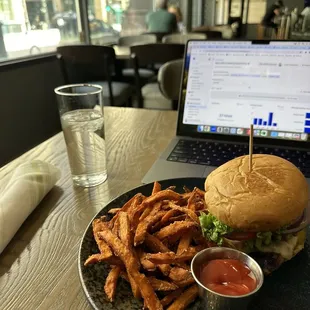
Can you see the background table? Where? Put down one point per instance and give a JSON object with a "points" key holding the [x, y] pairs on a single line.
{"points": [[38, 269]]}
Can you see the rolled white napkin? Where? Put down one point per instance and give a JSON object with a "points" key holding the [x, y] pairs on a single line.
{"points": [[28, 185]]}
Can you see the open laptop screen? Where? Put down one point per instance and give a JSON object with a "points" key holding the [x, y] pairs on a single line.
{"points": [[228, 85]]}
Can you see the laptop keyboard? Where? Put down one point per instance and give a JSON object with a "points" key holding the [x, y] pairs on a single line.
{"points": [[215, 154]]}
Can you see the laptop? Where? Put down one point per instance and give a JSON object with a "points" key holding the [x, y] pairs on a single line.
{"points": [[229, 85]]}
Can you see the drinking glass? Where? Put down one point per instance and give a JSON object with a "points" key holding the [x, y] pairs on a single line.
{"points": [[81, 113]]}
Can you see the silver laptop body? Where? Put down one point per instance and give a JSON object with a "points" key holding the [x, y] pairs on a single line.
{"points": [[229, 85]]}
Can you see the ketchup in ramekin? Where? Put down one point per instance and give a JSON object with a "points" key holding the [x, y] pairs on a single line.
{"points": [[228, 277]]}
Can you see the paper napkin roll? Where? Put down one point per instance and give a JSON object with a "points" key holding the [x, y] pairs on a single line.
{"points": [[28, 185]]}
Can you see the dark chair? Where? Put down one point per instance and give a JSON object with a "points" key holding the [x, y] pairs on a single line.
{"points": [[96, 65], [129, 73], [211, 34], [149, 55], [169, 79]]}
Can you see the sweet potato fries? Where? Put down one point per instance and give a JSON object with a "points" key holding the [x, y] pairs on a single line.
{"points": [[150, 243]]}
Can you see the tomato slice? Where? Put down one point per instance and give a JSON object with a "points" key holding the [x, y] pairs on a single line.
{"points": [[241, 236]]}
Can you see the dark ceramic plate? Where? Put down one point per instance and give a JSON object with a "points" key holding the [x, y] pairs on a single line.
{"points": [[286, 289]]}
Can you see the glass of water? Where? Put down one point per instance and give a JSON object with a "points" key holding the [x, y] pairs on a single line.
{"points": [[81, 113]]}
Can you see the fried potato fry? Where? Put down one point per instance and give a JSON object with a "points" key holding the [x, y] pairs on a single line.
{"points": [[172, 188], [185, 299], [125, 208], [97, 258], [125, 235], [159, 196], [165, 269], [147, 264], [178, 218], [181, 277], [160, 285], [145, 213], [154, 244], [170, 257], [175, 228], [186, 189], [134, 213], [156, 188], [200, 192], [167, 300], [103, 247], [144, 226], [114, 211], [162, 195], [134, 286], [111, 282], [184, 243], [186, 196], [183, 265], [93, 259], [188, 212], [116, 226], [124, 229], [168, 215], [147, 292], [150, 242], [196, 200]]}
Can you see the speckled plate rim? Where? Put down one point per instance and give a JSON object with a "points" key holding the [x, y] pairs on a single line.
{"points": [[89, 298]]}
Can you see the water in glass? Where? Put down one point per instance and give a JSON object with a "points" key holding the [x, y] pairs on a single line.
{"points": [[84, 135]]}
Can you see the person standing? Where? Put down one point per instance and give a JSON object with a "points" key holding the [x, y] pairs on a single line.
{"points": [[161, 20], [179, 16], [273, 11]]}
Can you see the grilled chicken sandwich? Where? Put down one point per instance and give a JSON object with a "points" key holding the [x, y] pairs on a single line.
{"points": [[262, 212]]}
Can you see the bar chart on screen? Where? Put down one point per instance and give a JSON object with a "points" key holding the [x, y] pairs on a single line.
{"points": [[307, 123], [268, 122]]}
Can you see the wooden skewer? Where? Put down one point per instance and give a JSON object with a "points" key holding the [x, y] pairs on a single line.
{"points": [[251, 147]]}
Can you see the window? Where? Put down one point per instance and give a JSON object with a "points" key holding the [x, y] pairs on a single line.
{"points": [[5, 9], [256, 10], [30, 27], [118, 18]]}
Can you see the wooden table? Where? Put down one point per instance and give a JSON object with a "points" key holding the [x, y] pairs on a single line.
{"points": [[38, 269]]}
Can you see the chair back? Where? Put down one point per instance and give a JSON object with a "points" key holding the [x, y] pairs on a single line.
{"points": [[213, 34], [149, 55], [209, 32], [169, 79], [137, 40], [183, 38], [84, 63], [159, 53]]}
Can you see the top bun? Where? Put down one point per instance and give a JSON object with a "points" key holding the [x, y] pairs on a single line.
{"points": [[274, 194]]}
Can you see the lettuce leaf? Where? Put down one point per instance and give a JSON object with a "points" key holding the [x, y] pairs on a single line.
{"points": [[213, 229]]}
